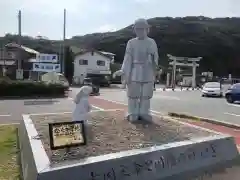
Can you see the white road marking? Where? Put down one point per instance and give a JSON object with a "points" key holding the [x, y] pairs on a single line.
{"points": [[98, 108], [166, 97], [232, 114], [156, 112], [108, 110], [47, 113], [5, 115], [235, 105]]}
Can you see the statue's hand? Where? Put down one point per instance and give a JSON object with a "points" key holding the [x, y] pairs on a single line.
{"points": [[151, 59], [118, 73]]}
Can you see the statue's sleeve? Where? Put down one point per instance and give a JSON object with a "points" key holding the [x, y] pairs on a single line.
{"points": [[155, 51], [127, 62]]}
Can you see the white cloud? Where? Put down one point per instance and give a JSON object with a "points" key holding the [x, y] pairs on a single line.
{"points": [[52, 6], [143, 1], [106, 28], [104, 8]]}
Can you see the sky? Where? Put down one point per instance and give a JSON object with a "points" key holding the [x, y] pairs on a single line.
{"points": [[45, 17]]}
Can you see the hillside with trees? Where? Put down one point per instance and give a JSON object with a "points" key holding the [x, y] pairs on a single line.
{"points": [[216, 40]]}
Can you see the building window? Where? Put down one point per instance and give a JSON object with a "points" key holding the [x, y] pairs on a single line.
{"points": [[83, 62], [100, 63], [10, 55]]}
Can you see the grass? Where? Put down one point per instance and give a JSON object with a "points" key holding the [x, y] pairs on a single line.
{"points": [[184, 116], [9, 169]]}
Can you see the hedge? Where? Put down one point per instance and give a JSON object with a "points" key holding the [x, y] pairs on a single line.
{"points": [[29, 89]]}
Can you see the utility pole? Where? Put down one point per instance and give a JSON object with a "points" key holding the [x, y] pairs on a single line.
{"points": [[19, 38], [2, 58], [19, 71], [64, 39]]}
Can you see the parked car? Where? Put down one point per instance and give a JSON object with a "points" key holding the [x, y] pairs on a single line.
{"points": [[212, 89], [55, 78], [233, 93], [95, 88], [100, 79]]}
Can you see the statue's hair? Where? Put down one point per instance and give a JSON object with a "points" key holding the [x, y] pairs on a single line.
{"points": [[141, 22], [83, 92]]}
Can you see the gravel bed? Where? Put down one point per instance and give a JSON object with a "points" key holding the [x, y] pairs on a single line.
{"points": [[109, 132]]}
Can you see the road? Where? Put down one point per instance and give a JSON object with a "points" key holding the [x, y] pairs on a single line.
{"points": [[11, 110], [188, 102]]}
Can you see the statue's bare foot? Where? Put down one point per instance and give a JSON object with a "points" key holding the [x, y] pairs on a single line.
{"points": [[132, 118], [146, 117]]}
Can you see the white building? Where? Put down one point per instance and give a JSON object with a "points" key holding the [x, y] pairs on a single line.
{"points": [[94, 64]]}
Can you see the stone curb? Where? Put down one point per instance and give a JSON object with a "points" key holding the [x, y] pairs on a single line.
{"points": [[197, 118], [181, 89], [119, 86], [166, 89]]}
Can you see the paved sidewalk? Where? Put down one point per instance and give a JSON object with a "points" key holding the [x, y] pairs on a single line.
{"points": [[106, 104]]}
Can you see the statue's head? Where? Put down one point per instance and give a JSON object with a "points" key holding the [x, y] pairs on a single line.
{"points": [[141, 28], [83, 93]]}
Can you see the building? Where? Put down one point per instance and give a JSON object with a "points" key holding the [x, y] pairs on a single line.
{"points": [[110, 55], [93, 64], [9, 56]]}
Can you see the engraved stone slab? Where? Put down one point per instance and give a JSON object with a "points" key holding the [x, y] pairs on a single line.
{"points": [[205, 158]]}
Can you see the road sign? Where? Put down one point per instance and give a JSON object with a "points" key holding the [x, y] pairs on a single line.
{"points": [[67, 134], [46, 67], [53, 58], [19, 74]]}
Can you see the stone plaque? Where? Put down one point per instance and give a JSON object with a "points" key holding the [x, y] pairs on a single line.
{"points": [[66, 134]]}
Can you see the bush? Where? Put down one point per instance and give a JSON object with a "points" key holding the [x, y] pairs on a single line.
{"points": [[29, 89], [4, 79]]}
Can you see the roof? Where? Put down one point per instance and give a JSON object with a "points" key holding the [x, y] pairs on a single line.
{"points": [[107, 53], [27, 49], [32, 60], [88, 51]]}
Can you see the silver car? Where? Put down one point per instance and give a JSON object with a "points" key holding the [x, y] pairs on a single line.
{"points": [[212, 89]]}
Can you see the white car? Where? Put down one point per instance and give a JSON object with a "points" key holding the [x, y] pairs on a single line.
{"points": [[212, 89]]}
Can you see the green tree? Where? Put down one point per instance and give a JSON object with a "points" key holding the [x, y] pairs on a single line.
{"points": [[69, 66], [216, 40]]}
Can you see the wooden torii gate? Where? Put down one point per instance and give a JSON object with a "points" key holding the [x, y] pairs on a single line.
{"points": [[184, 61]]}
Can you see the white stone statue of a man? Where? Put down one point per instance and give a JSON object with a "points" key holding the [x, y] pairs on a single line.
{"points": [[138, 71]]}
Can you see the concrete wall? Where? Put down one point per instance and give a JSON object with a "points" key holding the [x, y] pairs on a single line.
{"points": [[27, 160], [33, 156], [210, 158], [186, 160]]}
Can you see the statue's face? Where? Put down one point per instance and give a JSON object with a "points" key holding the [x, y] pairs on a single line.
{"points": [[141, 28], [141, 32]]}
